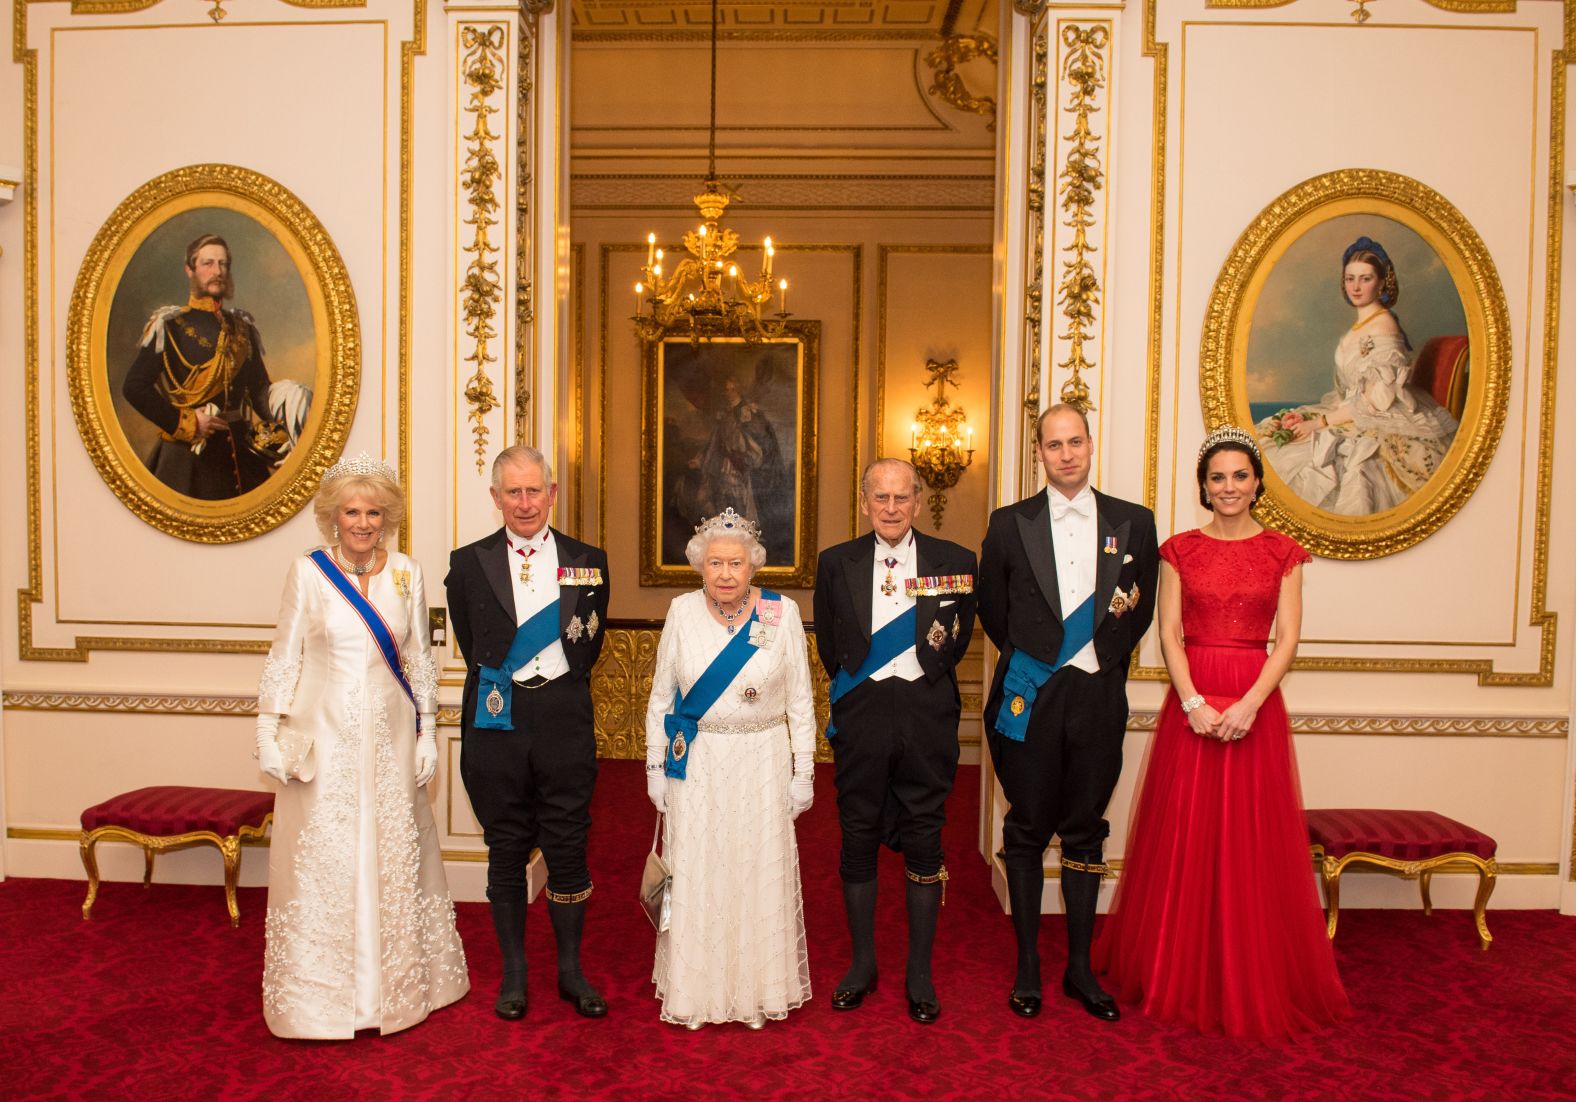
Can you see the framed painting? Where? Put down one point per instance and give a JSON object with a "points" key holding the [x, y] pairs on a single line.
{"points": [[730, 423], [213, 353], [1359, 329]]}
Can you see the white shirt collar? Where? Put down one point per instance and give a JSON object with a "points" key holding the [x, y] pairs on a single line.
{"points": [[901, 552], [1082, 502], [532, 545]]}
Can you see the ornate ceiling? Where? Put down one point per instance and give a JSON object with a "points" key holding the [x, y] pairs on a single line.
{"points": [[804, 20]]}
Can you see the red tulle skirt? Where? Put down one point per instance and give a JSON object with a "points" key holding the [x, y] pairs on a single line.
{"points": [[1216, 921]]}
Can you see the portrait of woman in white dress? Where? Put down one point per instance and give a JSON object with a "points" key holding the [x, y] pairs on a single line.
{"points": [[1376, 438], [360, 928], [730, 743]]}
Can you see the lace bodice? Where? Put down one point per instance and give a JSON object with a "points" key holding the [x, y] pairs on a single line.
{"points": [[1231, 588], [772, 688]]}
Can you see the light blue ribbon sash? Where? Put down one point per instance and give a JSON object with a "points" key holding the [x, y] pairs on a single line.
{"points": [[1026, 674], [495, 685], [382, 637], [895, 637], [682, 724]]}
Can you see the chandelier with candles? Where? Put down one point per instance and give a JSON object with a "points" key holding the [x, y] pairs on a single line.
{"points": [[708, 293]]}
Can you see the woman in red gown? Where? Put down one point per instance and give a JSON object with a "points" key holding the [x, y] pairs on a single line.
{"points": [[1216, 921]]}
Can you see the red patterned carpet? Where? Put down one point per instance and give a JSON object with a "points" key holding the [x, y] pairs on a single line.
{"points": [[157, 998]]}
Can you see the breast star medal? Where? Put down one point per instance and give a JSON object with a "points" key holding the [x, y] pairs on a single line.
{"points": [[889, 586], [495, 702], [936, 636], [575, 630], [591, 627]]}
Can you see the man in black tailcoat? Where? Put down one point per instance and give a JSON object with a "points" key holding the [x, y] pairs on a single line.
{"points": [[1067, 590], [895, 728], [530, 784]]}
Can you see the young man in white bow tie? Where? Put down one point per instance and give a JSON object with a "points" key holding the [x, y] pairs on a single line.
{"points": [[1066, 591]]}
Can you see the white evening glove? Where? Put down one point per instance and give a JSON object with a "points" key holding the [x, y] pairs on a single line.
{"points": [[657, 788], [427, 749], [801, 790], [269, 759]]}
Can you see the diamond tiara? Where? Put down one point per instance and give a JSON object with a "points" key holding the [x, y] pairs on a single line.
{"points": [[361, 466], [728, 523], [1231, 434]]}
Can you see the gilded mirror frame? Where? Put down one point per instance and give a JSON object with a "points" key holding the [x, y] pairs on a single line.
{"points": [[1223, 382], [334, 338]]}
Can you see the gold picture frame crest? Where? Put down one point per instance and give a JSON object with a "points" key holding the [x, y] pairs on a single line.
{"points": [[335, 330], [1229, 316], [657, 569]]}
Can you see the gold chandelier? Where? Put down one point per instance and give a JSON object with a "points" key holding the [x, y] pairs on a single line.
{"points": [[707, 294]]}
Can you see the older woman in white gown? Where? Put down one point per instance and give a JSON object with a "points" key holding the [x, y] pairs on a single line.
{"points": [[360, 928], [1374, 440], [730, 740]]}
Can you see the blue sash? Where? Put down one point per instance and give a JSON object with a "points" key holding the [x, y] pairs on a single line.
{"points": [[381, 635], [682, 724], [895, 637], [1026, 674], [495, 686]]}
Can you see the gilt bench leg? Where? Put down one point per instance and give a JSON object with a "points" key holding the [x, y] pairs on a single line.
{"points": [[89, 862]]}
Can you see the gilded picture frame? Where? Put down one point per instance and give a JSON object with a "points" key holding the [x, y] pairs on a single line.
{"points": [[729, 423], [1409, 412], [294, 304]]}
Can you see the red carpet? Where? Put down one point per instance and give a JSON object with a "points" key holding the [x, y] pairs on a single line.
{"points": [[157, 998]]}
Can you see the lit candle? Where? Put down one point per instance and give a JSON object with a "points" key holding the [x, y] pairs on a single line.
{"points": [[659, 256], [638, 289], [913, 435], [766, 268], [703, 231], [733, 273], [651, 247], [971, 438], [782, 292]]}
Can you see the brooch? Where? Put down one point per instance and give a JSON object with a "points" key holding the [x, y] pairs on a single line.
{"points": [[750, 693], [937, 635], [495, 702], [575, 630], [402, 582]]}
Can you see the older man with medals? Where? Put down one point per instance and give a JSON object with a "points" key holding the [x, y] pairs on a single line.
{"points": [[528, 606], [893, 614], [1067, 590]]}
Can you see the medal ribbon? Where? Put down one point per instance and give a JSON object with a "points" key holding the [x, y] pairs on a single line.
{"points": [[495, 685], [895, 637], [1026, 673]]}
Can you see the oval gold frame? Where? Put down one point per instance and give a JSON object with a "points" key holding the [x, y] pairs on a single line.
{"points": [[1224, 348], [335, 325]]}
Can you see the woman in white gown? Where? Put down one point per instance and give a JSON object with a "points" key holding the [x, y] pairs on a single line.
{"points": [[731, 775], [1374, 440], [360, 929]]}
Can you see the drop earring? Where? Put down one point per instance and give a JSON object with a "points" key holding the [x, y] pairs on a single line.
{"points": [[336, 533]]}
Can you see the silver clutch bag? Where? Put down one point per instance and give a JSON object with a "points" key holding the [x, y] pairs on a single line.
{"points": [[656, 885]]}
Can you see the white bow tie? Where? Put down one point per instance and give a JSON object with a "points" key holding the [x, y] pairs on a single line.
{"points": [[1061, 506]]}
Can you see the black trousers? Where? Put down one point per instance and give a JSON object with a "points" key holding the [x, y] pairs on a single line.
{"points": [[896, 752], [532, 786], [1059, 779]]}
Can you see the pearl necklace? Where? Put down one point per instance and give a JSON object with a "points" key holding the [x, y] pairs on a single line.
{"points": [[355, 569], [729, 617]]}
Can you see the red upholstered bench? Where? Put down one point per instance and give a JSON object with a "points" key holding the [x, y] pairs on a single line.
{"points": [[168, 817], [1412, 843]]}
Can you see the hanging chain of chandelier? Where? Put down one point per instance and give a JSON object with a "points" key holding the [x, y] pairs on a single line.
{"points": [[708, 293]]}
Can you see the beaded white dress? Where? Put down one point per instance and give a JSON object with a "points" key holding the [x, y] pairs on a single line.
{"points": [[735, 949], [360, 928]]}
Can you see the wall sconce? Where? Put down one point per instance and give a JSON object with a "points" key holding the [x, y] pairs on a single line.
{"points": [[940, 441]]}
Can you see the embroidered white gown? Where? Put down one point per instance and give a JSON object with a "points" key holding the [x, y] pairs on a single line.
{"points": [[1395, 442], [735, 948], [360, 927]]}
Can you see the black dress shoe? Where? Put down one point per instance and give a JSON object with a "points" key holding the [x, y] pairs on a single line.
{"points": [[924, 1011], [1025, 1006], [1103, 1007], [588, 1004], [850, 998], [510, 1005]]}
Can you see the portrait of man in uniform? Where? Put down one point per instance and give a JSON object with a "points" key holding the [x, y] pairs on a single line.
{"points": [[199, 378]]}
